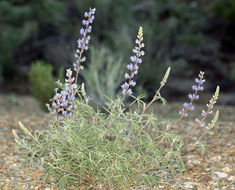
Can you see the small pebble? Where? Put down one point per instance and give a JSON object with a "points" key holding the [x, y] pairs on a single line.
{"points": [[221, 174]]}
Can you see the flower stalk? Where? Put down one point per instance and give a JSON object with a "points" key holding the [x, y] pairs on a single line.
{"points": [[84, 41], [133, 66]]}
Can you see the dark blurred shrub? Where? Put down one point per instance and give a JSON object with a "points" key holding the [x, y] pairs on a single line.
{"points": [[27, 27], [25, 23], [225, 9], [43, 82], [232, 71]]}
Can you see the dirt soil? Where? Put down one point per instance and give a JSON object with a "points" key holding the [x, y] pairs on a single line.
{"points": [[215, 170]]}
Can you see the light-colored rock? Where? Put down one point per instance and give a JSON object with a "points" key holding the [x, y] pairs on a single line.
{"points": [[188, 185], [231, 178], [216, 158], [221, 174], [227, 169]]}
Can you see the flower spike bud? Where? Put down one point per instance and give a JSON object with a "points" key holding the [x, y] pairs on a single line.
{"points": [[83, 90], [209, 110], [164, 80], [16, 137], [213, 121], [69, 73], [26, 131], [216, 95], [214, 98], [15, 134], [140, 34]]}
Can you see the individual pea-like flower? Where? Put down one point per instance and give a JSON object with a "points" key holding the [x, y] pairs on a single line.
{"points": [[196, 88], [128, 134], [82, 44], [133, 66], [62, 102]]}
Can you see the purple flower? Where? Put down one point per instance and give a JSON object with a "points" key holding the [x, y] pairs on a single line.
{"points": [[124, 91], [85, 22], [130, 66], [74, 86], [185, 105], [139, 60], [82, 31], [136, 67], [127, 132], [135, 72], [194, 87], [72, 97], [125, 85], [132, 83], [126, 76], [129, 91], [190, 96], [133, 58], [70, 107], [86, 14]]}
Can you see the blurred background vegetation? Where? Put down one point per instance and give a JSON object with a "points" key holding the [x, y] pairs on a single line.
{"points": [[188, 35]]}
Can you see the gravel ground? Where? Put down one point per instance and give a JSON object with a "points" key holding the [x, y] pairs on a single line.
{"points": [[215, 170]]}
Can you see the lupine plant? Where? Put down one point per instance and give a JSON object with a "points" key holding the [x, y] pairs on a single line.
{"points": [[119, 149]]}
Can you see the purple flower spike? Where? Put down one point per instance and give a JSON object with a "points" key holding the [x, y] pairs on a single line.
{"points": [[62, 103], [133, 66], [84, 41], [194, 96]]}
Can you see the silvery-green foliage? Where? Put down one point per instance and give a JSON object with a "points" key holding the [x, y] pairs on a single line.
{"points": [[103, 75], [92, 147]]}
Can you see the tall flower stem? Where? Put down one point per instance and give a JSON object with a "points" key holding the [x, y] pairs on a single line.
{"points": [[205, 113], [189, 106], [84, 41], [133, 66]]}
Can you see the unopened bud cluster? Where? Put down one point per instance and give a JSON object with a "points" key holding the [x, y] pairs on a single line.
{"points": [[209, 111]]}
